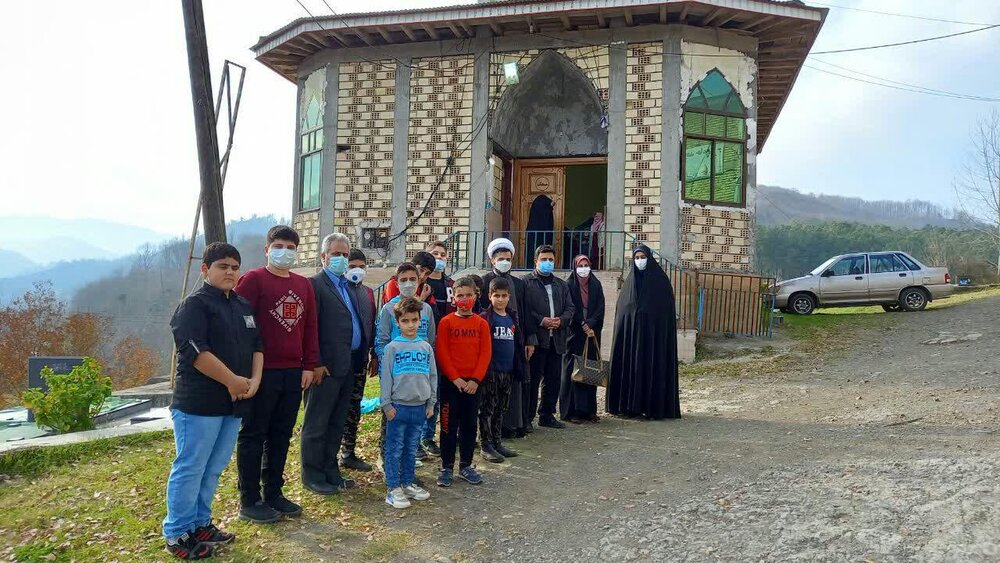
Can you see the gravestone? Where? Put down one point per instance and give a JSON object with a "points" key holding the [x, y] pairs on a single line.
{"points": [[60, 365]]}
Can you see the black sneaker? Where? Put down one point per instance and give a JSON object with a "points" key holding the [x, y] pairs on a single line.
{"points": [[213, 535], [422, 454], [260, 513], [430, 448], [504, 450], [285, 507], [188, 548], [529, 428], [444, 478], [490, 454], [550, 422], [352, 461]]}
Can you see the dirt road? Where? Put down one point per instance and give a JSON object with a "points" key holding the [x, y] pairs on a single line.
{"points": [[886, 452]]}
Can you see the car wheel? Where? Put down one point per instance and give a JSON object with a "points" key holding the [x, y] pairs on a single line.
{"points": [[802, 304], [892, 308], [913, 299]]}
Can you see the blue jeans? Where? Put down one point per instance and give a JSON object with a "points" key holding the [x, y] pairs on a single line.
{"points": [[204, 447], [402, 435]]}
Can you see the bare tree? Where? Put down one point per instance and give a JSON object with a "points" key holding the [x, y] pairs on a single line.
{"points": [[978, 186]]}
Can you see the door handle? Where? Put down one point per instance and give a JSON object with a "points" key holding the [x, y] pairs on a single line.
{"points": [[859, 277], [902, 275]]}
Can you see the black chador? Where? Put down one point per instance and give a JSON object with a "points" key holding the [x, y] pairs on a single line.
{"points": [[643, 381]]}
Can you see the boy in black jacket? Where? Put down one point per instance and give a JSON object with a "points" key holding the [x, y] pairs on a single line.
{"points": [[508, 364]]}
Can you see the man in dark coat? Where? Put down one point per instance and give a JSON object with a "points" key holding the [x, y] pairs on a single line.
{"points": [[643, 381], [341, 345], [549, 310]]}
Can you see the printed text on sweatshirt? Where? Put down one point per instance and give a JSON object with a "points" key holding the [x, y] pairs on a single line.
{"points": [[464, 345], [408, 375]]}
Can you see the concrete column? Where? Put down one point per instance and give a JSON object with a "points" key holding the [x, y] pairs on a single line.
{"points": [[618, 62], [296, 168], [670, 158], [328, 179], [482, 175], [400, 159], [751, 180]]}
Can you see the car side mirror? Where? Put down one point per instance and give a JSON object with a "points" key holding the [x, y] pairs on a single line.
{"points": [[828, 273]]}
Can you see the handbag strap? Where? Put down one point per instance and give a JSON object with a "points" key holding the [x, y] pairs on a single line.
{"points": [[586, 347]]}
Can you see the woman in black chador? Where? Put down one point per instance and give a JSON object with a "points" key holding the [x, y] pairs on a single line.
{"points": [[643, 381]]}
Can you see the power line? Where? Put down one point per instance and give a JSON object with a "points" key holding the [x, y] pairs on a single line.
{"points": [[912, 42], [905, 89], [923, 88], [895, 14]]}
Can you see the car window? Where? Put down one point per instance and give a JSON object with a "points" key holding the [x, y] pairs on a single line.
{"points": [[849, 266], [885, 264], [913, 266]]}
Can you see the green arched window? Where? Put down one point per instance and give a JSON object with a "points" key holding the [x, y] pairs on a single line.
{"points": [[714, 143], [311, 143]]}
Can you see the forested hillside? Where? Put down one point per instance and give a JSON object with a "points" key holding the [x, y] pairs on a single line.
{"points": [[792, 250]]}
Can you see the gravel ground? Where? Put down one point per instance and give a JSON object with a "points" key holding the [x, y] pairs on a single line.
{"points": [[888, 452]]}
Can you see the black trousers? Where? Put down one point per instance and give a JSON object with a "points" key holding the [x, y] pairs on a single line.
{"points": [[493, 403], [459, 414], [262, 446], [350, 439], [323, 427], [546, 372]]}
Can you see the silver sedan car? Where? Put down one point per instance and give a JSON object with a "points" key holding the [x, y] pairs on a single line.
{"points": [[895, 280]]}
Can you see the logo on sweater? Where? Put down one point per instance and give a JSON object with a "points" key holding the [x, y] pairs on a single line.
{"points": [[288, 310], [503, 333]]}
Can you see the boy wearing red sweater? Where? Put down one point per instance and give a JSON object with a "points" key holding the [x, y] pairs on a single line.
{"points": [[463, 352], [284, 310]]}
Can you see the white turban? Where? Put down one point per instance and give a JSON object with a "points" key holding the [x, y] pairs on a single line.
{"points": [[499, 244]]}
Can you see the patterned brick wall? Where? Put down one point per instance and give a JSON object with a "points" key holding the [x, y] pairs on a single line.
{"points": [[716, 239], [440, 125], [307, 225], [643, 132], [496, 197], [593, 61], [363, 190]]}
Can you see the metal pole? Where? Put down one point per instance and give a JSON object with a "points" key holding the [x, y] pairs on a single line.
{"points": [[204, 122]]}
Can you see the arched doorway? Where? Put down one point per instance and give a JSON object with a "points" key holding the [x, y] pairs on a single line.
{"points": [[552, 126]]}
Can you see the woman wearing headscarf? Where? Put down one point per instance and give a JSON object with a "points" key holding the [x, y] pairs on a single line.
{"points": [[643, 380], [577, 401]]}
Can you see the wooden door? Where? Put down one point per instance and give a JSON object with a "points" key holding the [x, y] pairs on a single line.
{"points": [[534, 182]]}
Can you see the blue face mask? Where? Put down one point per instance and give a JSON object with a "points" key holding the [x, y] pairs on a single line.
{"points": [[337, 265], [439, 265], [546, 266]]}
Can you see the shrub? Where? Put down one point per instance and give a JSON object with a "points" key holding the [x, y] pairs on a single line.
{"points": [[72, 400]]}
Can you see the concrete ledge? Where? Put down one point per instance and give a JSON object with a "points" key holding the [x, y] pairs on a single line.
{"points": [[162, 422]]}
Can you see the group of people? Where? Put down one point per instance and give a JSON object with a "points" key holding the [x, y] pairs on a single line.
{"points": [[471, 360]]}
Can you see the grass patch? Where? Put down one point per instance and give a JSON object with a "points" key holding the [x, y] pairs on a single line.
{"points": [[104, 501]]}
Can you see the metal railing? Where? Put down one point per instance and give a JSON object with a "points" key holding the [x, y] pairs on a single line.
{"points": [[605, 249]]}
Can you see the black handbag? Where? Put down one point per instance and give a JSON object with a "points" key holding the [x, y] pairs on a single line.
{"points": [[591, 372]]}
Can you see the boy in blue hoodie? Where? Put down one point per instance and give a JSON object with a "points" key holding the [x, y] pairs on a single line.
{"points": [[408, 382]]}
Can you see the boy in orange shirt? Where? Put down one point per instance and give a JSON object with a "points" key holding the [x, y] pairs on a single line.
{"points": [[463, 352]]}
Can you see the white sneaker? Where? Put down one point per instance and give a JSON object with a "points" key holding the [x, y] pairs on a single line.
{"points": [[397, 498], [416, 493], [418, 463]]}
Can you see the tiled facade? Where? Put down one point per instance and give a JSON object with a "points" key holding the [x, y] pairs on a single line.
{"points": [[643, 135], [366, 102], [496, 195], [716, 239], [440, 126], [307, 225]]}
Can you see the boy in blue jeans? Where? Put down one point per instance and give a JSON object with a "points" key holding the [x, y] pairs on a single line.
{"points": [[220, 361], [408, 382]]}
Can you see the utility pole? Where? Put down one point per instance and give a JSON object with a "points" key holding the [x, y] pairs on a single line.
{"points": [[213, 215]]}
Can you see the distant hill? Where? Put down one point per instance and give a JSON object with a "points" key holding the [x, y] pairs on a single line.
{"points": [[49, 239], [15, 264], [66, 277], [782, 206]]}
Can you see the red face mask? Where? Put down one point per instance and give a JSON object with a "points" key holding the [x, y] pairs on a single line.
{"points": [[465, 303]]}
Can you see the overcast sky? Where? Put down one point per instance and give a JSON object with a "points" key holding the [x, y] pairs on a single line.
{"points": [[95, 108]]}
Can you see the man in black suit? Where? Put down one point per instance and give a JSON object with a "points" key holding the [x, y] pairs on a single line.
{"points": [[341, 338]]}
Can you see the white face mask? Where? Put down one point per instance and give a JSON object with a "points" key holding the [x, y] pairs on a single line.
{"points": [[640, 263], [583, 271], [408, 288], [503, 266], [355, 275], [281, 258]]}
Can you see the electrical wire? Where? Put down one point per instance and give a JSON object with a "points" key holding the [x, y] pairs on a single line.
{"points": [[911, 42], [895, 14], [906, 84], [905, 89]]}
